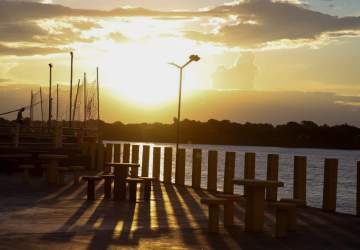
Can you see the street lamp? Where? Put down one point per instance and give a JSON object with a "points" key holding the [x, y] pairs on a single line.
{"points": [[192, 58]]}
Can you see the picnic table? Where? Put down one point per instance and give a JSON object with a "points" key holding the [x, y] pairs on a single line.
{"points": [[255, 201], [121, 171]]}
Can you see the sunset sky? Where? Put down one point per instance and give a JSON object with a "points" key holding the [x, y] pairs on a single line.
{"points": [[261, 60]]}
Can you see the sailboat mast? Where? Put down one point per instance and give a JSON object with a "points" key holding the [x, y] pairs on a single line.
{"points": [[71, 83], [76, 98], [50, 99], [98, 95], [42, 110], [31, 105], [57, 102], [85, 99]]}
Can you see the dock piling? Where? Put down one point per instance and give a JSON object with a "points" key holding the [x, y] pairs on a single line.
{"points": [[156, 162], [272, 174], [196, 168], [212, 170], [145, 161], [330, 185], [229, 172], [167, 165], [180, 167]]}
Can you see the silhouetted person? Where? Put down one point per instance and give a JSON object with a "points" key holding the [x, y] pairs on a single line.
{"points": [[19, 118]]}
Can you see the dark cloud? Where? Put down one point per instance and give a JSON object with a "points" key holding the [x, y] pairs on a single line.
{"points": [[28, 51], [261, 21], [20, 32], [239, 76], [13, 11], [258, 22]]}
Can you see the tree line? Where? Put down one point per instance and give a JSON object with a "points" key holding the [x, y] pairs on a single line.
{"points": [[292, 134]]}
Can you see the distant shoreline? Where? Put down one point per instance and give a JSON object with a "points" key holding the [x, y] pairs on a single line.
{"points": [[306, 134]]}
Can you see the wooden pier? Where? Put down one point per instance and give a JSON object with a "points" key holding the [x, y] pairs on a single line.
{"points": [[32, 218], [35, 215]]}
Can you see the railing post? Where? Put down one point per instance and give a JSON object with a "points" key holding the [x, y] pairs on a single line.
{"points": [[249, 168], [126, 153], [93, 154], [272, 174], [229, 172], [330, 185], [212, 171], [58, 137], [358, 190], [135, 159], [108, 154], [117, 150], [180, 168], [100, 156], [167, 165], [17, 135], [156, 162], [196, 168], [145, 161], [108, 157], [299, 189]]}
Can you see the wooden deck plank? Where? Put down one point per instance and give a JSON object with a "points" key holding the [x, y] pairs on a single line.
{"points": [[61, 218]]}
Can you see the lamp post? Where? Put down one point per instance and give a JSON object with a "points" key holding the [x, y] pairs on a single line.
{"points": [[192, 58]]}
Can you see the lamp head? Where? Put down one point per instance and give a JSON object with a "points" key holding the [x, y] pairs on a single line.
{"points": [[50, 65], [194, 58]]}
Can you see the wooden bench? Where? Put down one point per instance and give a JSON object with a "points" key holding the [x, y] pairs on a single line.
{"points": [[91, 185], [26, 173], [148, 181], [213, 204], [229, 207], [285, 218], [108, 178], [132, 181]]}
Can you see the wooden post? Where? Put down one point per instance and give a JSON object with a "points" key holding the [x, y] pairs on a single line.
{"points": [[85, 100], [93, 154], [108, 157], [212, 171], [58, 137], [100, 157], [135, 159], [180, 168], [196, 168], [117, 149], [330, 183], [167, 165], [254, 209], [17, 135], [156, 162], [300, 178], [108, 149], [57, 102], [358, 190], [272, 175], [229, 172], [126, 153], [145, 161], [249, 168]]}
